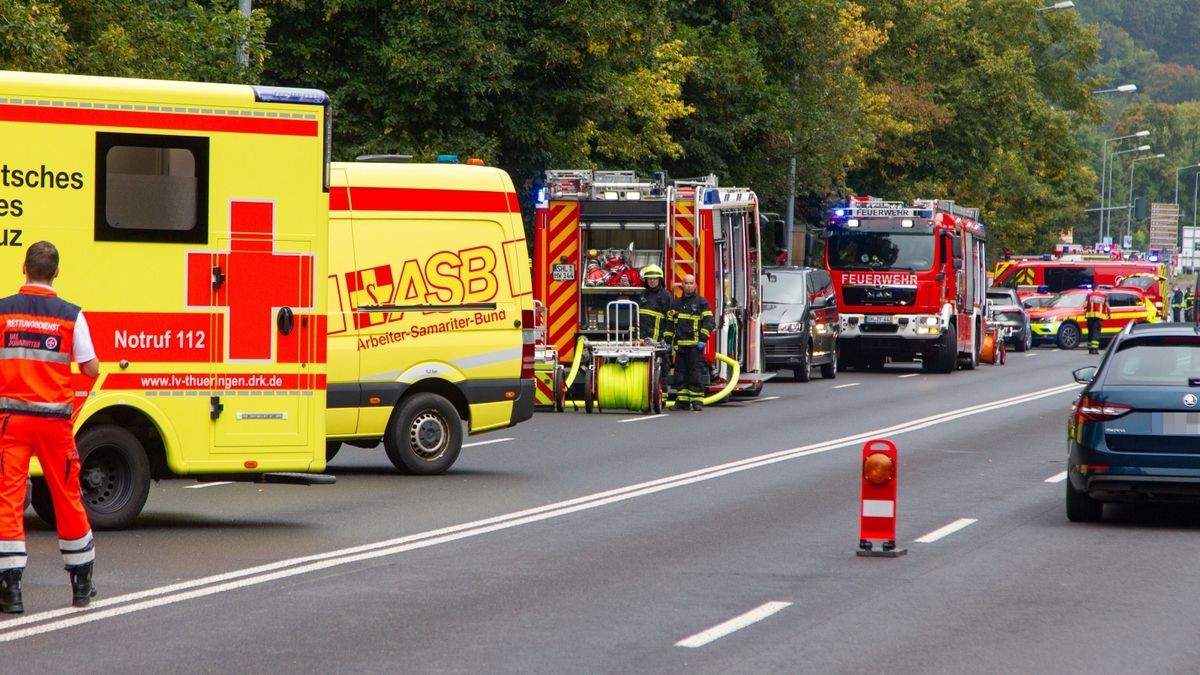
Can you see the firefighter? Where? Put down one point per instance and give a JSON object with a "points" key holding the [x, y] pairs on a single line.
{"points": [[42, 334], [653, 304], [1176, 304], [1096, 310], [691, 320]]}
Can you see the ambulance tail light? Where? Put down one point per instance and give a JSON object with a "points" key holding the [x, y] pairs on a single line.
{"points": [[528, 337]]}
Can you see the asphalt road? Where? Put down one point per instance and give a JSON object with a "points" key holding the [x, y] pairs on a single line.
{"points": [[720, 542]]}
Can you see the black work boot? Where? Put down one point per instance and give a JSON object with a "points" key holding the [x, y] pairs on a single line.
{"points": [[697, 405], [10, 592], [82, 588]]}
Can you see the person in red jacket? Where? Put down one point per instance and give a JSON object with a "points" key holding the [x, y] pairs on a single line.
{"points": [[42, 334]]}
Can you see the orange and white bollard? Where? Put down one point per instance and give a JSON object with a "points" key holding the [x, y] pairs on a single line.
{"points": [[877, 507]]}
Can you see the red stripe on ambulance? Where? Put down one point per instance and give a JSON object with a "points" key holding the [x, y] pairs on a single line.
{"points": [[415, 199], [158, 120]]}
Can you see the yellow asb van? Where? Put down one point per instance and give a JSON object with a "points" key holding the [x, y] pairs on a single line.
{"points": [[430, 309], [191, 221]]}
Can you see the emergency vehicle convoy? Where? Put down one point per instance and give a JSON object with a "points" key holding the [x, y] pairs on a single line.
{"points": [[1032, 275], [191, 219], [594, 233], [431, 311], [910, 280]]}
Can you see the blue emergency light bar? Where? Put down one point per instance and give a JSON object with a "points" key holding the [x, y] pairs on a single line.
{"points": [[447, 159], [290, 95]]}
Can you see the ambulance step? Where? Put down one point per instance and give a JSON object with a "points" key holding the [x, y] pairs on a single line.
{"points": [[297, 479]]}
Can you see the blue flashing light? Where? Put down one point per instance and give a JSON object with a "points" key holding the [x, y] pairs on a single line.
{"points": [[539, 196], [838, 213], [1153, 257], [712, 196], [266, 94], [1047, 256], [447, 159]]}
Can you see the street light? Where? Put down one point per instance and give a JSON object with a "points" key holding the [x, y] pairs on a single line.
{"points": [[1177, 170], [1067, 4], [1140, 148], [1105, 178], [1129, 211], [1123, 89]]}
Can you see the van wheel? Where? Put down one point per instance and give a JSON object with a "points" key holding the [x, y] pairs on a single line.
{"points": [[424, 435], [114, 479], [331, 450], [829, 370], [803, 371]]}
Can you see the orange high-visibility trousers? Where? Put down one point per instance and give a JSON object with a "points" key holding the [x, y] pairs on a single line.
{"points": [[51, 441]]}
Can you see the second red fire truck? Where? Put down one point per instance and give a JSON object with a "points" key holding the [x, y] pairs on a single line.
{"points": [[911, 282]]}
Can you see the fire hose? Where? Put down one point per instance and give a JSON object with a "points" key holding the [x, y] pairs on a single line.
{"points": [[627, 386]]}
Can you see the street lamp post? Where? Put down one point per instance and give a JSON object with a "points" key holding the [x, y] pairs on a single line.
{"points": [[1108, 187], [1066, 4], [1125, 88], [1177, 170], [1129, 211], [1104, 177]]}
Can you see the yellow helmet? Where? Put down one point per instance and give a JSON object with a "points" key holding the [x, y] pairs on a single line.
{"points": [[652, 271]]}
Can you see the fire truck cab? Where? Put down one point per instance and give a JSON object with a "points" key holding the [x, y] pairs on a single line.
{"points": [[595, 231], [910, 281]]}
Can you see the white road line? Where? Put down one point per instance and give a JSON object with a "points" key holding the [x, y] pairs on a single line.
{"points": [[764, 398], [105, 608], [1057, 478], [943, 531], [735, 624], [908, 375], [204, 485], [843, 386], [1030, 355], [487, 442], [638, 419]]}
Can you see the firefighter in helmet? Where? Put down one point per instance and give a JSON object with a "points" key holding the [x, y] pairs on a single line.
{"points": [[691, 320], [653, 304], [1096, 310]]}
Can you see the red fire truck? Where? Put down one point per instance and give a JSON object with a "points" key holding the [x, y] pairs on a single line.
{"points": [[594, 232], [911, 282]]}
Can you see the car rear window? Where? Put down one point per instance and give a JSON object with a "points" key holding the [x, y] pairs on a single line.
{"points": [[1172, 360]]}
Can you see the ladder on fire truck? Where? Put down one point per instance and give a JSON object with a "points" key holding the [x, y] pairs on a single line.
{"points": [[682, 239], [947, 206]]}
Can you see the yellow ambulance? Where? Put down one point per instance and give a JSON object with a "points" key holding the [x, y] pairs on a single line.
{"points": [[430, 309], [192, 223]]}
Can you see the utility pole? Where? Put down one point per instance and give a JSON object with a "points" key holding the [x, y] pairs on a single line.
{"points": [[243, 58], [789, 218]]}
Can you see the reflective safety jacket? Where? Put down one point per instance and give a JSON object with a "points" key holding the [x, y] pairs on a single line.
{"points": [[691, 320], [35, 356], [653, 306], [1096, 306]]}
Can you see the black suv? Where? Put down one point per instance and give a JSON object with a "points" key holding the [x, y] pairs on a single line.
{"points": [[800, 321]]}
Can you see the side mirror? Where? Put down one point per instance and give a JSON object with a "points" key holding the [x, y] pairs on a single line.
{"points": [[818, 302], [958, 264], [1085, 374]]}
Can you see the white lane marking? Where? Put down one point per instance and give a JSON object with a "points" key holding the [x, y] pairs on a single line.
{"points": [[843, 386], [204, 485], [943, 531], [735, 624], [1057, 478], [908, 375], [261, 574], [1030, 355], [764, 398], [487, 442], [638, 419]]}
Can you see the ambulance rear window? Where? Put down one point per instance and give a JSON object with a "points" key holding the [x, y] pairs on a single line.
{"points": [[151, 188]]}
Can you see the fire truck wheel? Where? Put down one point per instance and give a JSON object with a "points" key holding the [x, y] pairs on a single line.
{"points": [[945, 357], [331, 450], [803, 370], [424, 435], [560, 392], [1068, 336], [114, 479], [589, 390], [829, 370]]}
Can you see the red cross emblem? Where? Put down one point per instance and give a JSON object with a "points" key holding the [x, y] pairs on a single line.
{"points": [[251, 280]]}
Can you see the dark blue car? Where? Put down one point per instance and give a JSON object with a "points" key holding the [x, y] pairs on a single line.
{"points": [[1135, 431]]}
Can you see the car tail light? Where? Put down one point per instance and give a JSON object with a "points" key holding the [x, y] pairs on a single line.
{"points": [[1091, 410], [527, 333]]}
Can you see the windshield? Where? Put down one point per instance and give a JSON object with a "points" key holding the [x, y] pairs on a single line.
{"points": [[1140, 281], [786, 289], [1069, 300], [859, 250]]}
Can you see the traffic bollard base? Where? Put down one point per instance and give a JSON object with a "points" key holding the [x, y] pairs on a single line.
{"points": [[893, 553]]}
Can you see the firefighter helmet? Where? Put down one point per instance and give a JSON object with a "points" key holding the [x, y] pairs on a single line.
{"points": [[652, 271]]}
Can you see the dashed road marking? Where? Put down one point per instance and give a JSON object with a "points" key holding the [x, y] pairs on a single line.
{"points": [[197, 486], [1057, 478], [843, 386], [948, 529], [735, 624], [487, 442]]}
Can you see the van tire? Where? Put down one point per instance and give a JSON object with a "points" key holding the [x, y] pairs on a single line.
{"points": [[424, 436], [114, 479], [331, 450]]}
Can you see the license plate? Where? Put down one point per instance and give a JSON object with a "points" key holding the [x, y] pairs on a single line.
{"points": [[563, 272], [877, 318], [1181, 423]]}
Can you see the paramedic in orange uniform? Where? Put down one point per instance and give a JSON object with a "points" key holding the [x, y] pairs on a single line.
{"points": [[42, 333]]}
